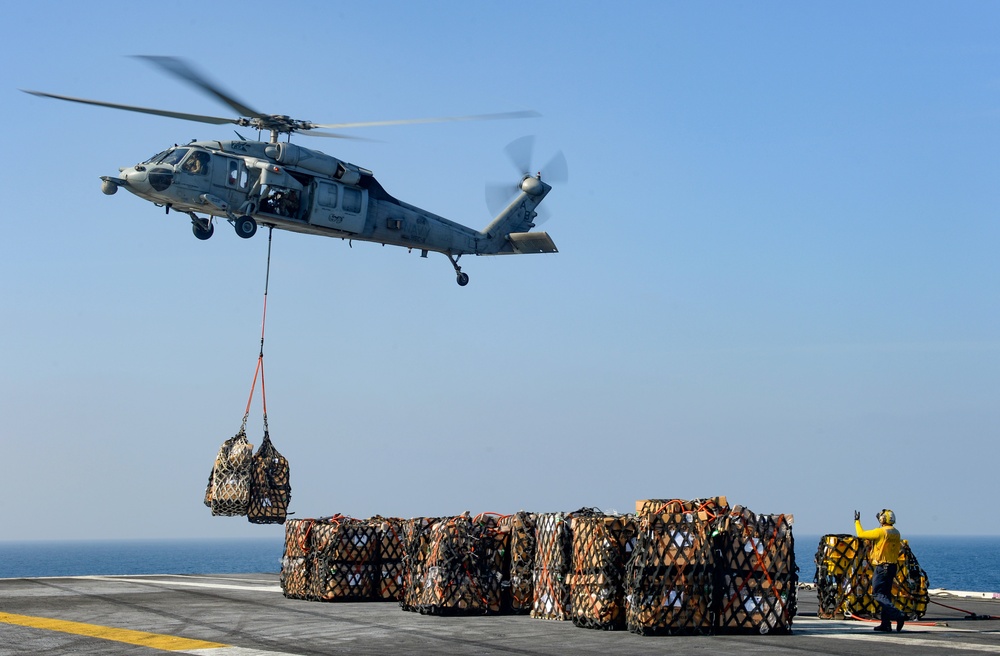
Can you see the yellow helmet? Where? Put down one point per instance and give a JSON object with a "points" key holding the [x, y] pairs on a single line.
{"points": [[886, 516]]}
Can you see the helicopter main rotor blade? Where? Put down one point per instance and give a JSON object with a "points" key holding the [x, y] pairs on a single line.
{"points": [[438, 119], [330, 135], [181, 70], [144, 110]]}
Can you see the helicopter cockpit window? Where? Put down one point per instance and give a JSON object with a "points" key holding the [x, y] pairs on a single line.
{"points": [[352, 200], [197, 163], [156, 158], [173, 156]]}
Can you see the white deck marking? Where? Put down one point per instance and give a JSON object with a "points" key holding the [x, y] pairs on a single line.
{"points": [[189, 584]]}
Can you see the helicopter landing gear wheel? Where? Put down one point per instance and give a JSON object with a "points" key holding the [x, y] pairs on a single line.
{"points": [[461, 278], [202, 229], [245, 226]]}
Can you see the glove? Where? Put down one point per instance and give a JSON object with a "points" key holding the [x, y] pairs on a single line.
{"points": [[857, 516]]}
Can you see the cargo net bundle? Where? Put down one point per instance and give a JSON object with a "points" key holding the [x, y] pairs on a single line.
{"points": [[602, 544], [520, 595], [844, 580], [759, 576], [243, 483], [553, 559], [270, 485], [463, 567], [295, 562], [670, 578], [416, 545], [342, 559], [228, 491]]}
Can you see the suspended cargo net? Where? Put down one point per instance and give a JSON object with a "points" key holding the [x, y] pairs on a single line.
{"points": [[602, 545], [553, 560], [295, 562], [270, 487], [228, 492], [522, 561], [463, 567], [844, 580], [670, 578], [758, 573]]}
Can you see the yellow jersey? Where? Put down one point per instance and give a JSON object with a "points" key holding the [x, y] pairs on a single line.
{"points": [[887, 543]]}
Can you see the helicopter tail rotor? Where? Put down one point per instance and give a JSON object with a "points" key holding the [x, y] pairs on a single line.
{"points": [[521, 153]]}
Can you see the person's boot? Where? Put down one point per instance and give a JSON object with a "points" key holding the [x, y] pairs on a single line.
{"points": [[899, 623], [883, 628]]}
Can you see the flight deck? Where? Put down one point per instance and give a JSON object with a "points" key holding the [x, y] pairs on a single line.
{"points": [[247, 615]]}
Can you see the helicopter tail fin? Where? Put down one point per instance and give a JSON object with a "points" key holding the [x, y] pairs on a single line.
{"points": [[509, 230]]}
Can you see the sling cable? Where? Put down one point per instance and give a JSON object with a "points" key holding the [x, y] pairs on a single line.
{"points": [[243, 483]]}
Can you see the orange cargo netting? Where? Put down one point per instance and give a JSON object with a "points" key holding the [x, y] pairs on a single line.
{"points": [[602, 544], [759, 574]]}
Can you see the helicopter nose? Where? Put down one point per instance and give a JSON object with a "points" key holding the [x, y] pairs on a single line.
{"points": [[157, 179]]}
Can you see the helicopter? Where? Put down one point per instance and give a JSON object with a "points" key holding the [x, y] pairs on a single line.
{"points": [[282, 185]]}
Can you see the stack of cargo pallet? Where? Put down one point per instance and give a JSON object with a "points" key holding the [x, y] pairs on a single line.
{"points": [[295, 562], [553, 559], [344, 553], [670, 580], [602, 545], [758, 573], [522, 561], [342, 559], [391, 550], [675, 567], [844, 579], [416, 546], [463, 567]]}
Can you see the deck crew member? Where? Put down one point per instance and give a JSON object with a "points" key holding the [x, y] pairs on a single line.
{"points": [[884, 554]]}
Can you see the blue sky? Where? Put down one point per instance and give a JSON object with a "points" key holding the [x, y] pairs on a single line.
{"points": [[777, 276]]}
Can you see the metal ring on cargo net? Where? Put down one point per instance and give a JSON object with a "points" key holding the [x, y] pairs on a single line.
{"points": [[260, 357]]}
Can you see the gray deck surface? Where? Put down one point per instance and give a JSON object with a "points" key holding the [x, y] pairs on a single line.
{"points": [[249, 616]]}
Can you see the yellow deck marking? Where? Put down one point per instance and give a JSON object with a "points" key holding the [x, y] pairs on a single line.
{"points": [[153, 640]]}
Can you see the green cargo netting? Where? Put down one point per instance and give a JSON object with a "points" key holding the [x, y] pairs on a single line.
{"points": [[228, 492], [270, 486], [844, 579]]}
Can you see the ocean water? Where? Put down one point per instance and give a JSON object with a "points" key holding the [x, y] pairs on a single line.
{"points": [[953, 563], [102, 557]]}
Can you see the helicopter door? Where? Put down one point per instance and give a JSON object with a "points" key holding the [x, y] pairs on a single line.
{"points": [[339, 207]]}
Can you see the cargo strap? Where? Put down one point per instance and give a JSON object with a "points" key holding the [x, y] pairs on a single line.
{"points": [[260, 358]]}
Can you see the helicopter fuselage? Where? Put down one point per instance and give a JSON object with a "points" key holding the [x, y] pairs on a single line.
{"points": [[302, 190]]}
